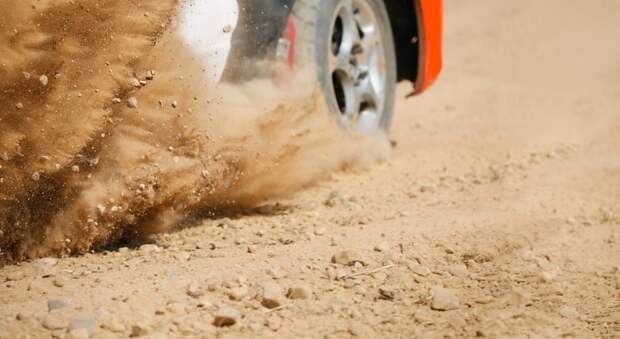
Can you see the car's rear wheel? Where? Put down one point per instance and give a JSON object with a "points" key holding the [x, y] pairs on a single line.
{"points": [[350, 45]]}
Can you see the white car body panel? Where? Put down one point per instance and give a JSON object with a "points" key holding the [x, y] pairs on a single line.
{"points": [[206, 27]]}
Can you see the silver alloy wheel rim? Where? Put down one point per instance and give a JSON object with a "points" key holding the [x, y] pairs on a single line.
{"points": [[356, 64]]}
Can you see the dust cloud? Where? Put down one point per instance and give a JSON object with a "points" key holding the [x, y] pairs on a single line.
{"points": [[110, 132]]}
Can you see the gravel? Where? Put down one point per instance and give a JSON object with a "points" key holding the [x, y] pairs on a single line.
{"points": [[226, 316], [132, 102], [444, 299], [57, 304], [347, 258], [272, 295]]}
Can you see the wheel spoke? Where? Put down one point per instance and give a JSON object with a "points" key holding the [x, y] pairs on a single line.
{"points": [[341, 62]]}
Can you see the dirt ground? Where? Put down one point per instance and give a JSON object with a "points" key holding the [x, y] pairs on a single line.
{"points": [[497, 215]]}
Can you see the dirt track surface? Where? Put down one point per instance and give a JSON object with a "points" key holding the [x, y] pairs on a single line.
{"points": [[496, 217]]}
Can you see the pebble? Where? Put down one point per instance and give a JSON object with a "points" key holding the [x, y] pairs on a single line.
{"points": [[299, 292], [569, 312], [139, 329], [387, 292], [226, 317], [204, 303], [444, 299], [176, 308], [382, 247], [78, 334], [135, 82], [19, 105], [272, 295], [320, 231], [116, 100], [149, 248], [227, 29], [57, 304], [427, 188], [87, 324], [276, 273], [132, 102], [420, 270], [54, 322], [59, 281], [458, 270], [182, 256], [16, 276], [238, 293], [114, 325], [194, 290], [43, 79], [347, 258], [47, 262]]}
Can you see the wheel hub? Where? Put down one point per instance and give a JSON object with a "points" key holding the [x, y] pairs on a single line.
{"points": [[356, 63]]}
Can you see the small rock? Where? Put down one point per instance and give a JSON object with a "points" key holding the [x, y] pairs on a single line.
{"points": [[132, 102], [75, 169], [272, 295], [59, 282], [43, 79], [320, 231], [47, 262], [149, 248], [176, 308], [16, 276], [87, 324], [427, 188], [382, 247], [517, 297], [139, 329], [36, 176], [116, 100], [57, 304], [458, 270], [19, 105], [299, 292], [227, 29], [204, 303], [113, 324], [569, 312], [182, 256], [54, 322], [226, 317], [444, 299], [135, 82], [174, 104], [387, 293], [194, 290], [276, 273], [238, 293], [420, 270], [347, 258], [78, 334]]}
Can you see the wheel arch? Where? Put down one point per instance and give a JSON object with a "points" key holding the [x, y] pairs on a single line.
{"points": [[404, 21], [417, 26]]}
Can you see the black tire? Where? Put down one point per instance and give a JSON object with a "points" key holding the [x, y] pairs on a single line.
{"points": [[315, 20]]}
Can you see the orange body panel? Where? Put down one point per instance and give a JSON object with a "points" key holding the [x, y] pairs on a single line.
{"points": [[430, 21]]}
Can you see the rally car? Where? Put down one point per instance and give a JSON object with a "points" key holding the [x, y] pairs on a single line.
{"points": [[358, 49]]}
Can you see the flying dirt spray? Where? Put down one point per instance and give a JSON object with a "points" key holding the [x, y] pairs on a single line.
{"points": [[109, 130]]}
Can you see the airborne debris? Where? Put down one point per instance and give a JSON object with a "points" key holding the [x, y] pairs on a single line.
{"points": [[44, 80], [132, 102]]}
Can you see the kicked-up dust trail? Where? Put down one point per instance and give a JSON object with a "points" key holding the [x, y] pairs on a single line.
{"points": [[109, 130]]}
